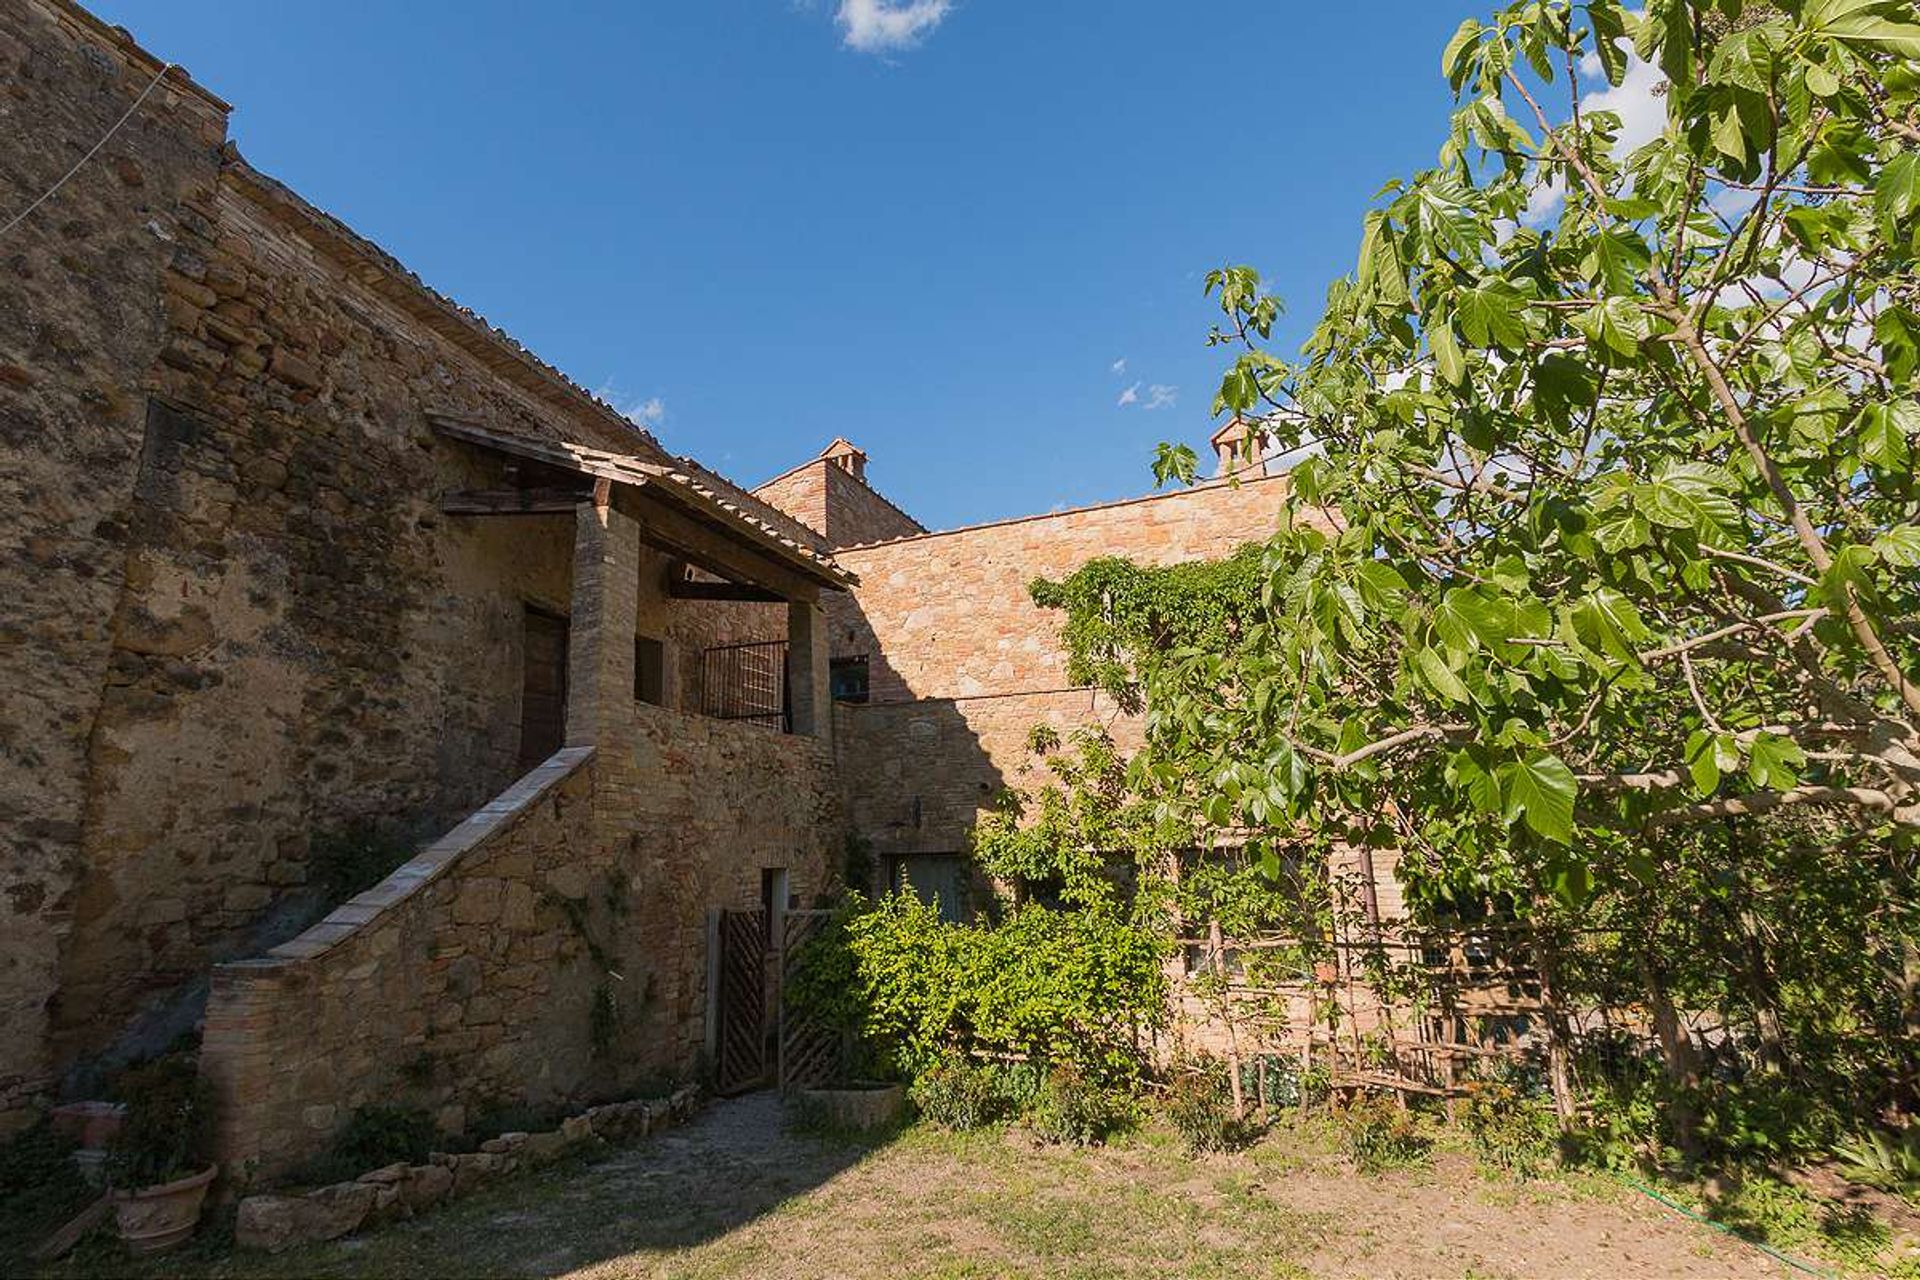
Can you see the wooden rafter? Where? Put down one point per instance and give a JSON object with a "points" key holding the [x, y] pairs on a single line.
{"points": [[544, 501]]}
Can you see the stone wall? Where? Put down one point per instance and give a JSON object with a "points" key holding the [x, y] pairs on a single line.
{"points": [[841, 507], [857, 514], [963, 664], [947, 615], [457, 979], [80, 326], [550, 949], [241, 625], [801, 493], [471, 976]]}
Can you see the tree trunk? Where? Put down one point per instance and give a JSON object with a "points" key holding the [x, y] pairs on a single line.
{"points": [[1682, 1070], [1758, 975], [1559, 1073], [1216, 942]]}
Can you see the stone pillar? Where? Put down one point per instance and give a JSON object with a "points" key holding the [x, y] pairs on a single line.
{"points": [[606, 598], [809, 685], [238, 1048]]}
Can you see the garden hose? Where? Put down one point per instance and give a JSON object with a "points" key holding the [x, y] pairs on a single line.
{"points": [[1767, 1249]]}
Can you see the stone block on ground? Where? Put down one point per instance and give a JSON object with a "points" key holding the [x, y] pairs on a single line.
{"points": [[426, 1185], [275, 1223], [544, 1148]]}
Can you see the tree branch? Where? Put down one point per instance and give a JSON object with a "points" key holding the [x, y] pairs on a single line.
{"points": [[1868, 798], [1419, 733]]}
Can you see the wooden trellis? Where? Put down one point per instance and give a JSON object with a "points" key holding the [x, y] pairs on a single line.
{"points": [[1464, 996]]}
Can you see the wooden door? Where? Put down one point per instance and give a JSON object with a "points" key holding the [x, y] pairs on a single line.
{"points": [[543, 689], [811, 1053], [740, 1058]]}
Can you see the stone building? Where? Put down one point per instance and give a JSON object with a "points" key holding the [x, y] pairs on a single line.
{"points": [[300, 560]]}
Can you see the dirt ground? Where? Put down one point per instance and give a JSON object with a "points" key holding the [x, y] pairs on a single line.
{"points": [[736, 1193]]}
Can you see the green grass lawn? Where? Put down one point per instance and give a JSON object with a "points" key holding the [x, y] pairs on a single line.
{"points": [[737, 1193]]}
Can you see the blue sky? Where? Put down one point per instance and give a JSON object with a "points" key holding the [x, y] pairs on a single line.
{"points": [[931, 227]]}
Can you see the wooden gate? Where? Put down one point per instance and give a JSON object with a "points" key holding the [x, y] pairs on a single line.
{"points": [[740, 1042], [810, 1052]]}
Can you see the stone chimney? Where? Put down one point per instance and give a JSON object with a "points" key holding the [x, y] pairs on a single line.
{"points": [[849, 457], [1231, 448]]}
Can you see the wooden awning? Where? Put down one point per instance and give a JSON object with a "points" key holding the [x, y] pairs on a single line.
{"points": [[677, 511]]}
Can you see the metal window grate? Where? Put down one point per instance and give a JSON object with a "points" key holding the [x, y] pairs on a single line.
{"points": [[747, 682]]}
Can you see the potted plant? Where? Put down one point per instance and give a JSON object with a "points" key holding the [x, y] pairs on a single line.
{"points": [[159, 1164]]}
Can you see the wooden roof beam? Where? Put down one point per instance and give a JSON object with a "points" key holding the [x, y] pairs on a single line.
{"points": [[545, 501]]}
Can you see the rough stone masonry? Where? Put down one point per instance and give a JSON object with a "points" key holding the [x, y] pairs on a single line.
{"points": [[286, 541]]}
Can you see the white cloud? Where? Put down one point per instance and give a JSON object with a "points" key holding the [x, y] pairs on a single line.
{"points": [[1643, 117], [1543, 202], [645, 413], [1158, 395], [1732, 203], [650, 412], [883, 26], [1119, 366], [1642, 112]]}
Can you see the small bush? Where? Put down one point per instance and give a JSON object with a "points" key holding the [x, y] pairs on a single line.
{"points": [[1072, 1109], [376, 1136], [1759, 1207], [32, 1157], [1376, 1134], [1511, 1131], [494, 1118], [1057, 985], [1016, 1084], [350, 861], [1284, 1082], [39, 1189], [168, 1130], [1888, 1161], [958, 1094], [1199, 1105]]}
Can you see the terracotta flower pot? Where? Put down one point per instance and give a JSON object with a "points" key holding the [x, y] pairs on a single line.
{"points": [[155, 1219], [91, 1124]]}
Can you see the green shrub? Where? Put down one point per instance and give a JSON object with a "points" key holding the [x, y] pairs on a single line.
{"points": [[33, 1157], [823, 975], [1284, 1082], [1074, 1109], [40, 1188], [372, 1138], [379, 1135], [1199, 1105], [1761, 1117], [1016, 1084], [1888, 1161], [1376, 1133], [1760, 1207], [1511, 1130], [958, 1094], [1058, 987], [350, 861], [168, 1130]]}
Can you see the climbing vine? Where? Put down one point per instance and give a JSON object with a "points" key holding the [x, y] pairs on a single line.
{"points": [[1119, 612]]}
